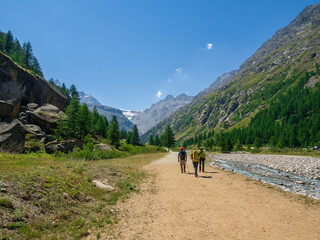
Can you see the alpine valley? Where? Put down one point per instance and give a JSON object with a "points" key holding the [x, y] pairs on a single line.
{"points": [[273, 89]]}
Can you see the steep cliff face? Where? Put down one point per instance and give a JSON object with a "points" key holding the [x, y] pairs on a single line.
{"points": [[149, 117], [266, 74], [18, 87]]}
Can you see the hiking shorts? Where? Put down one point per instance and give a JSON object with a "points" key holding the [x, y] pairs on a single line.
{"points": [[183, 162]]}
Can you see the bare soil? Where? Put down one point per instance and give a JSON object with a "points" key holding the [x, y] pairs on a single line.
{"points": [[216, 205]]}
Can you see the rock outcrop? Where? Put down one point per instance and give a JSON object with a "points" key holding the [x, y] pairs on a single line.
{"points": [[18, 87], [12, 136], [46, 117]]}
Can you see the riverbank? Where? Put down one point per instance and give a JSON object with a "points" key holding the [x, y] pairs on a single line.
{"points": [[298, 165]]}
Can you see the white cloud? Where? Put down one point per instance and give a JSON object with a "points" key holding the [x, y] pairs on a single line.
{"points": [[209, 46], [179, 70], [159, 93], [169, 80]]}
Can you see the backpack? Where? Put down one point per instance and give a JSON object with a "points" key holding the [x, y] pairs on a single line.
{"points": [[202, 154], [183, 155], [195, 156]]}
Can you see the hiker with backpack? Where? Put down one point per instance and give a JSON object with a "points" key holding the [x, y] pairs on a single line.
{"points": [[202, 156], [182, 158], [195, 160]]}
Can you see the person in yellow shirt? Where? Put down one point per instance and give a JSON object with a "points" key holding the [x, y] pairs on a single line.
{"points": [[195, 160]]}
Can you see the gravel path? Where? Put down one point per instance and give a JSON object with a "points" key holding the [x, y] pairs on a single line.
{"points": [[299, 165], [216, 205]]}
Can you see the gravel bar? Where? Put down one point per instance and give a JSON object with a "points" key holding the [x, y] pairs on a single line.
{"points": [[300, 165]]}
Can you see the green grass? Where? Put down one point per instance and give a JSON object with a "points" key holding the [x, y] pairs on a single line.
{"points": [[6, 202], [39, 183]]}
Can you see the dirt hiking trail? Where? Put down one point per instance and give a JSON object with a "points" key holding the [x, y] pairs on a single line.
{"points": [[216, 205]]}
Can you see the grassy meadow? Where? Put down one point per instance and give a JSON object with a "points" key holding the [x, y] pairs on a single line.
{"points": [[46, 196]]}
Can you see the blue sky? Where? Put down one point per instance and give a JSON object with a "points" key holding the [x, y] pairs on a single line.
{"points": [[130, 54]]}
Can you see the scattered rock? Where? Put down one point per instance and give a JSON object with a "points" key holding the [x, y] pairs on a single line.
{"points": [[55, 146], [103, 185], [298, 165], [66, 196], [102, 146], [77, 143]]}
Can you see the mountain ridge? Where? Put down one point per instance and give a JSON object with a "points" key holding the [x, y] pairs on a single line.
{"points": [[149, 117], [260, 78], [124, 122]]}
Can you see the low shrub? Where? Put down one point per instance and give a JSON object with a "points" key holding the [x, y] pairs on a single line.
{"points": [[6, 202]]}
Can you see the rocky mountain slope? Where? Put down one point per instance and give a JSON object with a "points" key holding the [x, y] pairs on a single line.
{"points": [[220, 81], [91, 101], [149, 117], [88, 99], [265, 75]]}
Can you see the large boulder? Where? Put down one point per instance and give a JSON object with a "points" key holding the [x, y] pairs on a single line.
{"points": [[18, 87], [35, 130], [55, 146], [12, 136], [46, 117]]}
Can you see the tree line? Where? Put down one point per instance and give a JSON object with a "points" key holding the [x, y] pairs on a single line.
{"points": [[165, 140], [80, 122], [21, 54]]}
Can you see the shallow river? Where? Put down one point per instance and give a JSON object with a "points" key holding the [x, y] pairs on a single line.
{"points": [[286, 181]]}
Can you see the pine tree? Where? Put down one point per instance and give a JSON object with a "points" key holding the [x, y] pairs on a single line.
{"points": [[113, 133], [84, 121], [61, 132], [272, 141], [222, 144], [168, 137], [151, 141], [257, 142], [9, 42], [229, 145], [157, 141], [28, 55], [35, 66], [238, 146], [95, 117], [128, 140], [282, 141], [73, 92], [72, 112], [135, 136]]}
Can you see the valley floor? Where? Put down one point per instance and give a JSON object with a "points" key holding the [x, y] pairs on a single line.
{"points": [[216, 205]]}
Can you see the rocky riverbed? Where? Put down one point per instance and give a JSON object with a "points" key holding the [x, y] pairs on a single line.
{"points": [[299, 165], [300, 175]]}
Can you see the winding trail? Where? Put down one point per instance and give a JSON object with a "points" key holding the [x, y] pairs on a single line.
{"points": [[216, 205]]}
